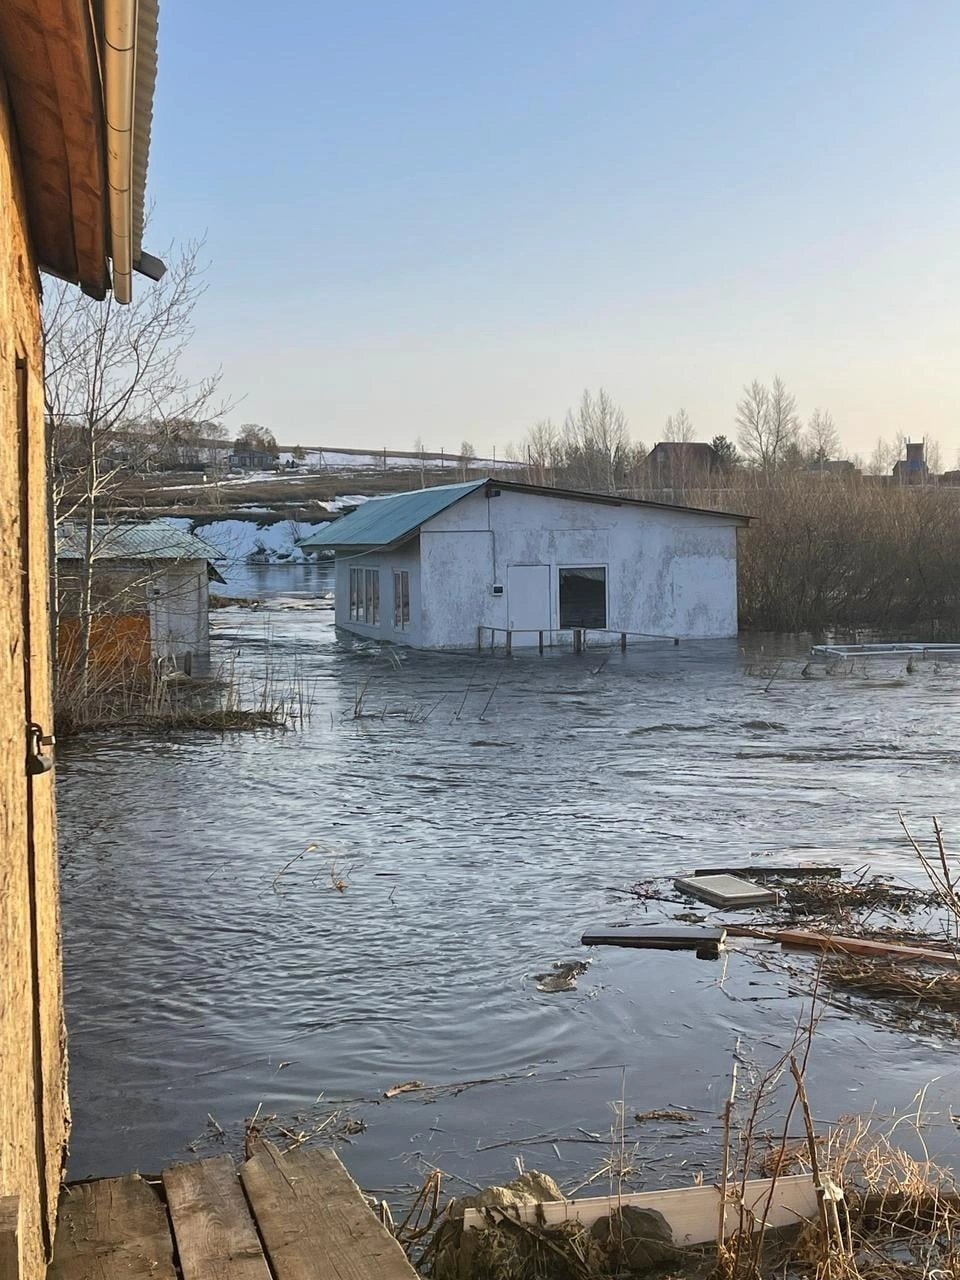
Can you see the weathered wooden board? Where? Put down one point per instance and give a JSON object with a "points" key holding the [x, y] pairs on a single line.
{"points": [[10, 1251], [112, 1229], [216, 1236], [726, 891], [314, 1222], [807, 941], [810, 871], [693, 1213], [654, 937]]}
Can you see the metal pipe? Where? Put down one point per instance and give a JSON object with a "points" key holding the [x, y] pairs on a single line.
{"points": [[119, 63]]}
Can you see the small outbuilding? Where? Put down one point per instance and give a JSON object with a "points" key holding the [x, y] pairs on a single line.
{"points": [[149, 597], [439, 568]]}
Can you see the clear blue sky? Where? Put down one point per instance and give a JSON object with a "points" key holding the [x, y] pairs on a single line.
{"points": [[445, 220]]}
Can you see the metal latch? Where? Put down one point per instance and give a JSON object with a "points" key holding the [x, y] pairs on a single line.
{"points": [[37, 762]]}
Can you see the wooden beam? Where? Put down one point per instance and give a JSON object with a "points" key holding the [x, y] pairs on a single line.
{"points": [[112, 1229], [806, 941], [11, 1258], [314, 1222], [216, 1236]]}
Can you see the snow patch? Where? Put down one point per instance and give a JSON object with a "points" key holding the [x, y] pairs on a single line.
{"points": [[246, 542]]}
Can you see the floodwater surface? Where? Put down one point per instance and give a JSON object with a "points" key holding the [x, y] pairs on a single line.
{"points": [[300, 921]]}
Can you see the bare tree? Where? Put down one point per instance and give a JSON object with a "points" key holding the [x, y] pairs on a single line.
{"points": [[768, 424], [596, 442], [679, 428], [932, 456], [821, 437], [115, 383], [467, 452]]}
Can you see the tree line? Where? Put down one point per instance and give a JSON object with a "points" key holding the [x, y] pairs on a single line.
{"points": [[592, 448]]}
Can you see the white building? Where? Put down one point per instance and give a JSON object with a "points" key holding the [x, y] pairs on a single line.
{"points": [[430, 568]]}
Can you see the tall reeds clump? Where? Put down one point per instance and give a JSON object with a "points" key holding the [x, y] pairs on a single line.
{"points": [[843, 553]]}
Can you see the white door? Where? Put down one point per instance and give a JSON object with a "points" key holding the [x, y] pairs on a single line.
{"points": [[528, 601]]}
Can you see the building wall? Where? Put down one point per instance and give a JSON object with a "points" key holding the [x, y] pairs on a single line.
{"points": [[405, 558], [180, 613], [174, 595], [33, 1108], [669, 573]]}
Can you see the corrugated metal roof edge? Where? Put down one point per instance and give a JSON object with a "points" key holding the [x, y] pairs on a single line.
{"points": [[205, 550], [574, 495], [614, 499], [324, 539]]}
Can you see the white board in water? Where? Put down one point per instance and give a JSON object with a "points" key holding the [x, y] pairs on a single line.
{"points": [[692, 1213], [726, 891]]}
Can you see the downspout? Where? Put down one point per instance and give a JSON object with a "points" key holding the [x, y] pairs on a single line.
{"points": [[120, 58]]}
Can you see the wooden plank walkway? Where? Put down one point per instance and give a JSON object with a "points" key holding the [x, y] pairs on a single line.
{"points": [[281, 1216]]}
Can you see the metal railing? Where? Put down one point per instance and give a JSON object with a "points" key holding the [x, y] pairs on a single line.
{"points": [[577, 634]]}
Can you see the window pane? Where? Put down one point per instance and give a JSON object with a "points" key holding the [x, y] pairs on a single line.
{"points": [[354, 593], [583, 598], [374, 615], [397, 601], [405, 601]]}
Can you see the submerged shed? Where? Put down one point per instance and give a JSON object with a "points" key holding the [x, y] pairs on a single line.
{"points": [[150, 594], [430, 567]]}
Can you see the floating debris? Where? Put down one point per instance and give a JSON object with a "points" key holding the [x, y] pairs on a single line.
{"points": [[562, 977], [726, 891]]}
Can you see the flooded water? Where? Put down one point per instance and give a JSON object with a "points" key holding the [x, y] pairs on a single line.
{"points": [[293, 919]]}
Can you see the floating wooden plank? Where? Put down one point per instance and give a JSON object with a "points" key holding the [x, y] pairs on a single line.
{"points": [[216, 1236], [112, 1229], [807, 941], [811, 870], [726, 891], [655, 937], [692, 1213], [11, 1260], [314, 1222]]}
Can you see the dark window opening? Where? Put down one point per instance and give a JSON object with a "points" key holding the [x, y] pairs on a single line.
{"points": [[583, 598]]}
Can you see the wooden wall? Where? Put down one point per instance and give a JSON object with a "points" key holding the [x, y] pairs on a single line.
{"points": [[33, 1106]]}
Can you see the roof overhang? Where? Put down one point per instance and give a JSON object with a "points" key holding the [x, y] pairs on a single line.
{"points": [[614, 500], [81, 91]]}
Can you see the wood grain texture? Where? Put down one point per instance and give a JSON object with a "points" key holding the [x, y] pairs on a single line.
{"points": [[803, 940], [314, 1222], [216, 1236], [112, 1229], [10, 1259]]}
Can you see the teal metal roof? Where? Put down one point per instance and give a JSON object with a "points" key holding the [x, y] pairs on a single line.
{"points": [[383, 521], [136, 540]]}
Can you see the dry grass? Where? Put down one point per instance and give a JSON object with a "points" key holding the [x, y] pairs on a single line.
{"points": [[120, 697]]}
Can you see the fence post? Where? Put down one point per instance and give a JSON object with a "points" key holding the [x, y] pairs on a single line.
{"points": [[541, 642], [493, 638], [508, 647], [676, 640], [623, 642], [479, 638], [577, 640]]}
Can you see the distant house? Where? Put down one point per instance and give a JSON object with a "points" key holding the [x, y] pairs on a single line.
{"points": [[253, 457], [150, 595], [428, 568], [672, 464], [913, 468]]}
